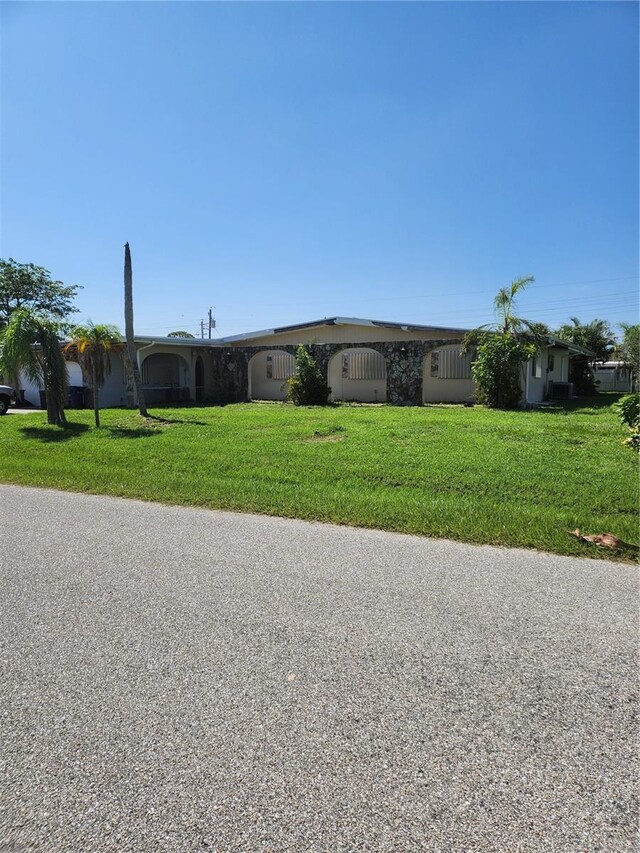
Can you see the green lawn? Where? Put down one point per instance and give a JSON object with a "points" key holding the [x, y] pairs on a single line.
{"points": [[509, 478]]}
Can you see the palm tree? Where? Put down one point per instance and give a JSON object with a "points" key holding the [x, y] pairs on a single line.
{"points": [[503, 349], [30, 343], [596, 336], [507, 323], [128, 331], [92, 346], [504, 305]]}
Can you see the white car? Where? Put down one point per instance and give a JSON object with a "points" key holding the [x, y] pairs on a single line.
{"points": [[6, 393]]}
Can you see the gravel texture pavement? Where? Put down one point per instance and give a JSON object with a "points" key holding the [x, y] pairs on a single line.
{"points": [[183, 680]]}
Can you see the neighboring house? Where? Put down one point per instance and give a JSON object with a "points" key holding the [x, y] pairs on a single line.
{"points": [[363, 360], [613, 376]]}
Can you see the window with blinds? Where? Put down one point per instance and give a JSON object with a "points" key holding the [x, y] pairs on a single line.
{"points": [[452, 364], [280, 365], [363, 365]]}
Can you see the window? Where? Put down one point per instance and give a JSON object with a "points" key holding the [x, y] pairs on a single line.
{"points": [[365, 364], [536, 367], [280, 365], [451, 363], [550, 362]]}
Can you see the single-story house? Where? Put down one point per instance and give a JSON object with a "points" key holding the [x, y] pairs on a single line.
{"points": [[363, 360], [613, 376]]}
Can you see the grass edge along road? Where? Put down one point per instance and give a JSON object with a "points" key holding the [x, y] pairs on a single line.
{"points": [[518, 479]]}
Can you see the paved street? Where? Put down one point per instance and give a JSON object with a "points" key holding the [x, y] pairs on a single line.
{"points": [[185, 680]]}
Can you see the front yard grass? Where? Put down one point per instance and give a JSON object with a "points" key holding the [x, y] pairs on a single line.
{"points": [[508, 478]]}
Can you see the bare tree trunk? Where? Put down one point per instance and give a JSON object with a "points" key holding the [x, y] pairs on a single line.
{"points": [[128, 331], [130, 396], [96, 406]]}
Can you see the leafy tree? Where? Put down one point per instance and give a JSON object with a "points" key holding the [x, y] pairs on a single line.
{"points": [[30, 286], [307, 386], [180, 334], [503, 349], [128, 331], [498, 369], [92, 346], [31, 343]]}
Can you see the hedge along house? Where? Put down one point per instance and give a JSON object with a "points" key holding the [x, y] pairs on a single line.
{"points": [[363, 360]]}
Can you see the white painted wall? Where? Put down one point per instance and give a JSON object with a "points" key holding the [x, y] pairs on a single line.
{"points": [[113, 392], [438, 390], [32, 390], [354, 390], [613, 376], [538, 383], [260, 387]]}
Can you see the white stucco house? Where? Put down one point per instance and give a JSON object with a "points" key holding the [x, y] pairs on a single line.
{"points": [[363, 360]]}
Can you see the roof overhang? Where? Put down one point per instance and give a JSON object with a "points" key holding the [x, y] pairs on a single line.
{"points": [[572, 348], [340, 321]]}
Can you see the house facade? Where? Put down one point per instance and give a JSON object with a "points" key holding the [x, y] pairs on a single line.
{"points": [[363, 361]]}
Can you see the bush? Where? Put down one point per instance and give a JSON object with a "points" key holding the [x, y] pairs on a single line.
{"points": [[634, 438], [628, 409], [497, 370], [307, 386]]}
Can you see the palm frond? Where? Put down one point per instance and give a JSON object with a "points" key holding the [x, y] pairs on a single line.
{"points": [[17, 347]]}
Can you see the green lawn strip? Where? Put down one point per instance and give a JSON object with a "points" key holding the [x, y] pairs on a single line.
{"points": [[509, 478]]}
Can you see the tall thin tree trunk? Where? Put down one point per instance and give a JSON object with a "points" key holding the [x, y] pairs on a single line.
{"points": [[128, 331], [130, 391], [96, 407]]}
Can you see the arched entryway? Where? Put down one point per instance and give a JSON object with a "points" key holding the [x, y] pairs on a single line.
{"points": [[446, 376], [358, 374], [268, 374], [165, 378]]}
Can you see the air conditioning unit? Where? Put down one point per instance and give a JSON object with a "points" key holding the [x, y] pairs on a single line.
{"points": [[560, 390]]}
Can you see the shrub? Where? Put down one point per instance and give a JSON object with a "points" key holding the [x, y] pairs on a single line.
{"points": [[628, 409], [307, 386], [634, 438], [497, 370]]}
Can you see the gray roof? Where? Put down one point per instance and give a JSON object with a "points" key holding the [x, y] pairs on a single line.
{"points": [[342, 321], [552, 341]]}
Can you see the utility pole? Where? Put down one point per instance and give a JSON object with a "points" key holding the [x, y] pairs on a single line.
{"points": [[202, 329], [212, 323]]}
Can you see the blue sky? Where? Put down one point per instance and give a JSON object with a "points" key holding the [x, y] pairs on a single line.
{"points": [[284, 162]]}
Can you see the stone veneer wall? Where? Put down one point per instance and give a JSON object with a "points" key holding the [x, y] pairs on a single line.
{"points": [[229, 368]]}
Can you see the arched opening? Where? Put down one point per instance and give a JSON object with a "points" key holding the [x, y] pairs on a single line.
{"points": [[446, 376], [268, 374], [77, 398], [165, 378], [359, 375], [199, 376]]}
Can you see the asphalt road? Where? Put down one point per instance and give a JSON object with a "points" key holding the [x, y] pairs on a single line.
{"points": [[184, 680]]}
